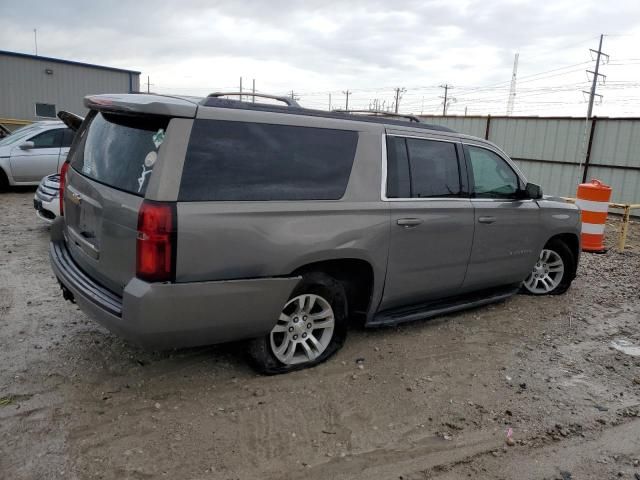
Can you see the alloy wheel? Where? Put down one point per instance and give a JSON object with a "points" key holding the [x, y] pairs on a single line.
{"points": [[304, 329], [547, 273]]}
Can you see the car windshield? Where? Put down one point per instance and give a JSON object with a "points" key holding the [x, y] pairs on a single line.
{"points": [[20, 134]]}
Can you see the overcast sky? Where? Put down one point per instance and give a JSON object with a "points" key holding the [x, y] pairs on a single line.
{"points": [[368, 47]]}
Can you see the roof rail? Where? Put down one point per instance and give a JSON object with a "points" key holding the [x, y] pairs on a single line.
{"points": [[287, 100], [382, 113]]}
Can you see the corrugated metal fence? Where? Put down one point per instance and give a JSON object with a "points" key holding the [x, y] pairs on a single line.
{"points": [[559, 152]]}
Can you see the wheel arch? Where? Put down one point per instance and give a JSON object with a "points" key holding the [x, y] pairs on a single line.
{"points": [[356, 274], [572, 241]]}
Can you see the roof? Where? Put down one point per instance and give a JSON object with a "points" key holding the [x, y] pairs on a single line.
{"points": [[186, 106], [67, 62]]}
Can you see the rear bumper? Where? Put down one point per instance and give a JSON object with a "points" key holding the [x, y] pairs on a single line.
{"points": [[170, 315]]}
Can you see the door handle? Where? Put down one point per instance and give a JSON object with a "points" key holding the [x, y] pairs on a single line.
{"points": [[486, 219], [409, 222]]}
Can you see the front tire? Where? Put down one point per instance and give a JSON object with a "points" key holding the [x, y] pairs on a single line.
{"points": [[311, 327], [553, 272]]}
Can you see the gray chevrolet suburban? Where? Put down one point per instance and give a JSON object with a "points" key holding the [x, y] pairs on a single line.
{"points": [[189, 221]]}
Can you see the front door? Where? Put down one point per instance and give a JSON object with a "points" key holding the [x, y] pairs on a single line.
{"points": [[31, 164], [507, 231], [431, 221]]}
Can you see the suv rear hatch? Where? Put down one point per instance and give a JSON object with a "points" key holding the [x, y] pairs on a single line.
{"points": [[110, 167]]}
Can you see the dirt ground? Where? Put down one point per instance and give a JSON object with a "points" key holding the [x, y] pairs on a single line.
{"points": [[432, 399]]}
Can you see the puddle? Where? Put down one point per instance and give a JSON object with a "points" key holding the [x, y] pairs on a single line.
{"points": [[625, 346]]}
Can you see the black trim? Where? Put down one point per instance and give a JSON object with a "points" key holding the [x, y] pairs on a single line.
{"points": [[434, 308], [261, 107]]}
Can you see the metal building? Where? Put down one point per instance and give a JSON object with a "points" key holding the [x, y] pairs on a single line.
{"points": [[35, 87]]}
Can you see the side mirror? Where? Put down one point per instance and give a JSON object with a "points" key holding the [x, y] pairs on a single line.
{"points": [[27, 145], [533, 191]]}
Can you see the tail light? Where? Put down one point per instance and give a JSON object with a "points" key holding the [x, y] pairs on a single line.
{"points": [[156, 243], [63, 178]]}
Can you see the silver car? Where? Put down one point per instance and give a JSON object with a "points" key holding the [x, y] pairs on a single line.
{"points": [[32, 152], [197, 221]]}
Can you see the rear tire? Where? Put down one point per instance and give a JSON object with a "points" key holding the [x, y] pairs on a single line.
{"points": [[546, 277], [311, 328]]}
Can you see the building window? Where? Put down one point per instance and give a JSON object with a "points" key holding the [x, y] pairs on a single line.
{"points": [[46, 110]]}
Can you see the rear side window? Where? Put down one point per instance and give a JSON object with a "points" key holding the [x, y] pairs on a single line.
{"points": [[48, 139], [434, 168], [67, 137], [119, 150], [229, 161], [418, 168]]}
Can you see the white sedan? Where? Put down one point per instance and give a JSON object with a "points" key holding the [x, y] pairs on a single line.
{"points": [[47, 198]]}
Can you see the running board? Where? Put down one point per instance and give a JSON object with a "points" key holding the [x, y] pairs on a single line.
{"points": [[441, 307]]}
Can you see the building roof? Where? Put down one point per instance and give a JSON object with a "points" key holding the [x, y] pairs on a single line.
{"points": [[67, 62]]}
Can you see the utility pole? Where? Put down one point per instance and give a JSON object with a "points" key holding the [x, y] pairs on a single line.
{"points": [[240, 88], [399, 92], [594, 83], [329, 102], [346, 103], [149, 84], [253, 90], [35, 39], [446, 98], [512, 90]]}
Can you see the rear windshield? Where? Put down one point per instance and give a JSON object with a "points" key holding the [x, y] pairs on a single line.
{"points": [[119, 150], [257, 161]]}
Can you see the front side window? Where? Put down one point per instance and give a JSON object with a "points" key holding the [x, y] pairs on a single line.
{"points": [[48, 139], [492, 176], [234, 161]]}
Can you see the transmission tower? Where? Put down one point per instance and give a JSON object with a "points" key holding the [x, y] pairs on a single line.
{"points": [[512, 90]]}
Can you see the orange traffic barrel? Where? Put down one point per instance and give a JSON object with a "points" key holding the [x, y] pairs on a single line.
{"points": [[593, 200]]}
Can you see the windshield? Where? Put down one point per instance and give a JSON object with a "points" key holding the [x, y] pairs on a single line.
{"points": [[20, 134]]}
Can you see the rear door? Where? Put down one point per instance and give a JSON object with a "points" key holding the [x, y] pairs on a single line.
{"points": [[431, 220], [33, 164], [106, 182], [507, 228]]}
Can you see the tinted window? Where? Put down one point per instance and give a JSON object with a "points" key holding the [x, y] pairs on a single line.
{"points": [[255, 161], [45, 110], [48, 139], [119, 150], [398, 184], [67, 137], [492, 176], [434, 168]]}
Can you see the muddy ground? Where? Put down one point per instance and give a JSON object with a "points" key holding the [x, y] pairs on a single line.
{"points": [[432, 399]]}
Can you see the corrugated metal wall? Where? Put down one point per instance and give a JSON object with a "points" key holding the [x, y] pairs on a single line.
{"points": [[552, 151], [24, 82]]}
